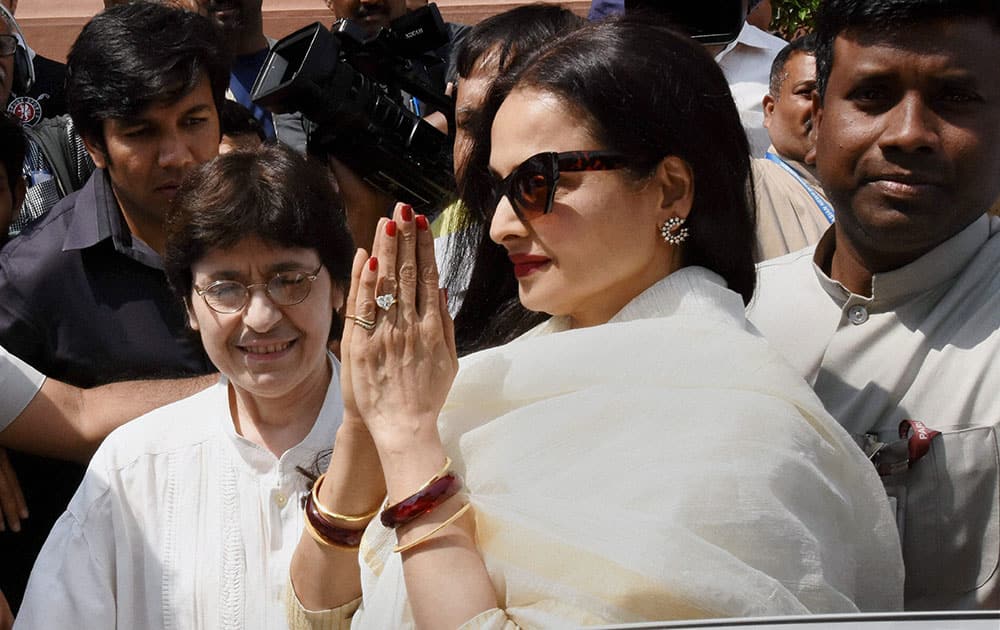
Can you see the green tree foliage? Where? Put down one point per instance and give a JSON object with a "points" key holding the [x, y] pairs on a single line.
{"points": [[793, 17]]}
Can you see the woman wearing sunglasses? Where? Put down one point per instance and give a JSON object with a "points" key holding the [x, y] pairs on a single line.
{"points": [[640, 455], [187, 517]]}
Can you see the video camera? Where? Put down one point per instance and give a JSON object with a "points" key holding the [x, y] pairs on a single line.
{"points": [[351, 87], [709, 22]]}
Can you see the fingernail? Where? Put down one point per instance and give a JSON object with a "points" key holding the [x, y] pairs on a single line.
{"points": [[15, 528], [407, 212], [390, 228], [421, 222], [373, 264]]}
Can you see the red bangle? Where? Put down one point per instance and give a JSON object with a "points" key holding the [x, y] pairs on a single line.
{"points": [[328, 533], [423, 501]]}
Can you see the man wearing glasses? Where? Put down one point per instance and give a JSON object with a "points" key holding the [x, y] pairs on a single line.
{"points": [[83, 295]]}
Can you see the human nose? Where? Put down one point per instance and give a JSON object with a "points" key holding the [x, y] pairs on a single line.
{"points": [[260, 313], [506, 225], [911, 126], [174, 151]]}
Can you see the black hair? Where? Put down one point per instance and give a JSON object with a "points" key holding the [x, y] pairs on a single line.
{"points": [[271, 193], [685, 109], [237, 120], [805, 44], [884, 18], [132, 56], [508, 34], [12, 148]]}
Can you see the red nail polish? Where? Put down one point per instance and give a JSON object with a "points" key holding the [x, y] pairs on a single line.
{"points": [[421, 222], [407, 212], [390, 228], [373, 264]]}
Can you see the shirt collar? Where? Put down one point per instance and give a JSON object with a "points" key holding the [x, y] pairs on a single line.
{"points": [[319, 438], [804, 170], [891, 288], [97, 217], [750, 36]]}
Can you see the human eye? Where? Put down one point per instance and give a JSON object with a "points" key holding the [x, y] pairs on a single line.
{"points": [[225, 290], [136, 131]]}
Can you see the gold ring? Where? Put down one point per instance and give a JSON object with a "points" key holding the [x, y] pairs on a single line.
{"points": [[361, 321]]}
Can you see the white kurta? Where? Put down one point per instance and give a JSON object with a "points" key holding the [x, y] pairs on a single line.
{"points": [[179, 523], [666, 465], [925, 347]]}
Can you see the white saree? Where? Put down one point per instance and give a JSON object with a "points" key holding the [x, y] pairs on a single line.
{"points": [[666, 465]]}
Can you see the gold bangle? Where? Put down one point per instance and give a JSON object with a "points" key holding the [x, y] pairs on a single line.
{"points": [[323, 541], [331, 514], [437, 475], [451, 519]]}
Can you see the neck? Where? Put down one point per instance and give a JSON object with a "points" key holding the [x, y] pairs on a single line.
{"points": [[854, 266], [147, 229], [279, 424]]}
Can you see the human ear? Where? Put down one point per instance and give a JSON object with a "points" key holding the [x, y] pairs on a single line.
{"points": [[768, 104], [192, 318], [675, 181], [96, 151], [816, 118]]}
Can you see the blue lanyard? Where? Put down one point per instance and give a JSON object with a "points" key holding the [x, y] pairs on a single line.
{"points": [[261, 114], [823, 204]]}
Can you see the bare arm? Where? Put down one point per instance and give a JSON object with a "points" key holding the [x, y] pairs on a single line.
{"points": [[327, 577], [67, 422]]}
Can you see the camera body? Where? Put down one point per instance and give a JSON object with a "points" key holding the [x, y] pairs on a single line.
{"points": [[353, 89], [709, 22]]}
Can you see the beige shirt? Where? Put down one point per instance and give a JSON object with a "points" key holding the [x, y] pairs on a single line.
{"points": [[788, 218], [925, 346]]}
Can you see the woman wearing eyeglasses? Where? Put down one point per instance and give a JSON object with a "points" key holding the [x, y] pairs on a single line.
{"points": [[187, 517], [641, 455]]}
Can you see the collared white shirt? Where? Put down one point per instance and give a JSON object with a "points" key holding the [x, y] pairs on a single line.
{"points": [[746, 63], [180, 522]]}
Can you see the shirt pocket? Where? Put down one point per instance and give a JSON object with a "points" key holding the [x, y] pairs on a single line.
{"points": [[948, 509]]}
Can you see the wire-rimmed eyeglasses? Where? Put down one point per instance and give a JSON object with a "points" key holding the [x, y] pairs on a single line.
{"points": [[284, 289]]}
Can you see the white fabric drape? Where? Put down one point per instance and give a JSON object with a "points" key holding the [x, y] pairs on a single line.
{"points": [[665, 465]]}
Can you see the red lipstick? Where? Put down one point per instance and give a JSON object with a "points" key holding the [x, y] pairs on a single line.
{"points": [[525, 264]]}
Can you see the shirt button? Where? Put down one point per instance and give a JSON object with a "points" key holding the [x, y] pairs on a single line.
{"points": [[281, 499], [857, 314]]}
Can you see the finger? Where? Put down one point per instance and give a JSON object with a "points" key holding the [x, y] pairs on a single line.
{"points": [[406, 262], [385, 250], [8, 505], [364, 308], [429, 282], [447, 325], [360, 258]]}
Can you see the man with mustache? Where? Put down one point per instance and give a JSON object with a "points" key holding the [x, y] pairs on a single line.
{"points": [[894, 316]]}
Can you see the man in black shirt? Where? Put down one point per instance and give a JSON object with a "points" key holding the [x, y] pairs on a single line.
{"points": [[83, 295]]}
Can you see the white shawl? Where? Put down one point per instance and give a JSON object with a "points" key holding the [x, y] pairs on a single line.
{"points": [[666, 465]]}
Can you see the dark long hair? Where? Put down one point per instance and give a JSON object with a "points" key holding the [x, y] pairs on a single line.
{"points": [[646, 92]]}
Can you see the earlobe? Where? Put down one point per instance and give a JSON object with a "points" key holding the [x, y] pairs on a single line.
{"points": [[192, 318], [676, 182]]}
